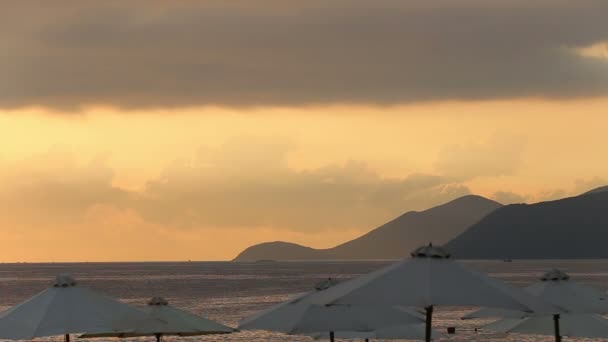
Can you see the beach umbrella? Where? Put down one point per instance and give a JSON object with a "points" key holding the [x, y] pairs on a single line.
{"points": [[301, 315], [178, 323], [430, 278], [496, 313], [572, 325], [66, 308], [557, 288], [399, 332]]}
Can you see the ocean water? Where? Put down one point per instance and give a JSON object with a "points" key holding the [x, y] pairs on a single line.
{"points": [[228, 292]]}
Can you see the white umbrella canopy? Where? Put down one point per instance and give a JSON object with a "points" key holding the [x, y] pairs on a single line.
{"points": [[431, 278], [318, 318], [411, 332], [557, 288], [66, 308], [178, 322], [572, 325], [281, 317], [344, 335], [399, 332], [496, 313], [301, 315]]}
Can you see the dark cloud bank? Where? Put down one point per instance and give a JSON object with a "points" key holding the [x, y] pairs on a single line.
{"points": [[65, 54]]}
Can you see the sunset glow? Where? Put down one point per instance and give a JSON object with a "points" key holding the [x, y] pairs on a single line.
{"points": [[140, 136]]}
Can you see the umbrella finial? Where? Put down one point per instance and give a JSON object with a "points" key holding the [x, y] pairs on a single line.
{"points": [[158, 301], [64, 280], [555, 275], [430, 251]]}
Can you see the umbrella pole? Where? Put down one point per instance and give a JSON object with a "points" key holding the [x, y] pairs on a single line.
{"points": [[157, 337], [67, 337], [558, 337], [331, 336], [429, 323]]}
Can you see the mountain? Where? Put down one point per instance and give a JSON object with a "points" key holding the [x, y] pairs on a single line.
{"points": [[399, 237], [597, 190], [570, 228], [279, 250], [392, 240]]}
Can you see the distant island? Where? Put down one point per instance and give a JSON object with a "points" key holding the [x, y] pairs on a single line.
{"points": [[392, 240], [473, 227]]}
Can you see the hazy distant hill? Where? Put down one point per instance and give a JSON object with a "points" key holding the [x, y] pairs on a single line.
{"points": [[570, 228], [399, 237], [394, 239], [280, 250], [597, 190]]}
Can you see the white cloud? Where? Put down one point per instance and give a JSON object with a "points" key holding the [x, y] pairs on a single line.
{"points": [[499, 156], [507, 197]]}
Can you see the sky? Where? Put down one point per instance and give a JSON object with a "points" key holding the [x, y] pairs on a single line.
{"points": [[165, 130]]}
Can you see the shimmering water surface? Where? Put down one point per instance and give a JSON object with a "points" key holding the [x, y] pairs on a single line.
{"points": [[228, 292]]}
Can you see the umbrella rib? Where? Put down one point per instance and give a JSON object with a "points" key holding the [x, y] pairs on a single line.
{"points": [[46, 312]]}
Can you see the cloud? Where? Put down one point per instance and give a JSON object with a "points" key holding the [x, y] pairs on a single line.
{"points": [[499, 156], [507, 197], [247, 182], [597, 50], [580, 187], [584, 185], [52, 188], [136, 54]]}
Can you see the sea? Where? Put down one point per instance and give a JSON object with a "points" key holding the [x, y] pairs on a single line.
{"points": [[230, 291]]}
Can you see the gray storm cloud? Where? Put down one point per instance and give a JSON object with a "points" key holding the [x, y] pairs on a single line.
{"points": [[141, 54]]}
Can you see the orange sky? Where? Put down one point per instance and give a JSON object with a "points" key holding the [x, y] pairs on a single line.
{"points": [[174, 130], [204, 183]]}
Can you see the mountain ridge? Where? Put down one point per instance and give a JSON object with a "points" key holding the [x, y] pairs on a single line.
{"points": [[597, 190], [569, 228], [392, 240]]}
